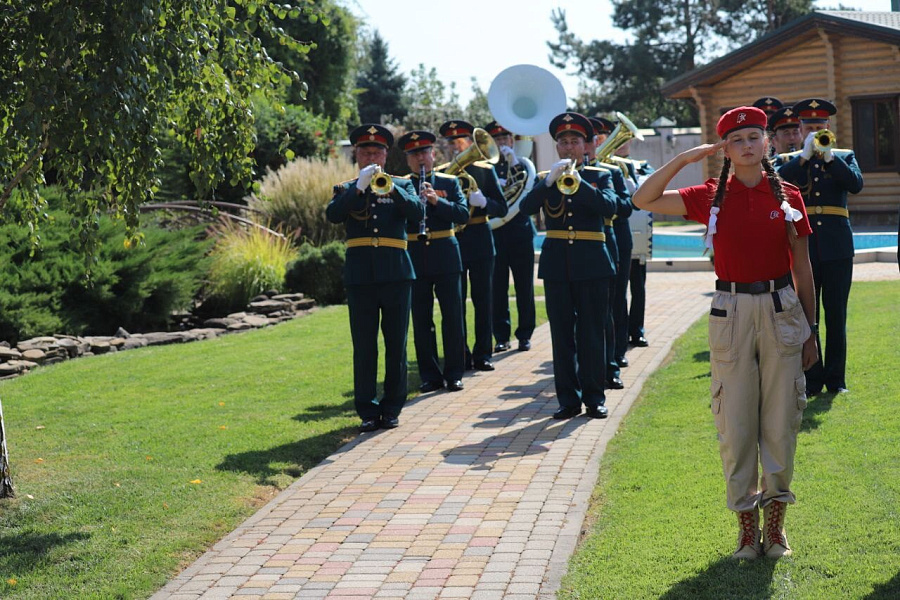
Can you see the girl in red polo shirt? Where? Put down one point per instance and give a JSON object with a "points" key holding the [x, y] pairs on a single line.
{"points": [[759, 327]]}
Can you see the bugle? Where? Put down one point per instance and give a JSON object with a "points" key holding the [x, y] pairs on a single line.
{"points": [[382, 183], [823, 140], [570, 180]]}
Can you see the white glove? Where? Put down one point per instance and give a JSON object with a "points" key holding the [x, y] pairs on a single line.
{"points": [[807, 152], [556, 170], [510, 155], [630, 185], [477, 199], [365, 177], [828, 155]]}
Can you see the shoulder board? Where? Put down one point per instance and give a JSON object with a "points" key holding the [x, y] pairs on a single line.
{"points": [[543, 173], [789, 155], [441, 167], [407, 176], [848, 150], [343, 183], [611, 167], [593, 168], [444, 175], [620, 159], [483, 164]]}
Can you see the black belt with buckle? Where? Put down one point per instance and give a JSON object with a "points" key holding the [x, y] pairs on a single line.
{"points": [[757, 287]]}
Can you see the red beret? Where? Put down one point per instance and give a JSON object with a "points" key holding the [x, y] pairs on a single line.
{"points": [[739, 118]]}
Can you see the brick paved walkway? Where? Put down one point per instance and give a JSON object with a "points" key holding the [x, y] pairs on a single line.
{"points": [[478, 494]]}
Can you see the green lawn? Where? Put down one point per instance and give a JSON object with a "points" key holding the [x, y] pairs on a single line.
{"points": [[128, 466], [658, 525]]}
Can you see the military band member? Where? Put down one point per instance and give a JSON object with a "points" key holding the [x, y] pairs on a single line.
{"points": [[769, 106], [824, 179], [785, 127], [438, 266], [641, 223], [378, 275], [576, 268], [617, 324], [514, 241], [476, 244]]}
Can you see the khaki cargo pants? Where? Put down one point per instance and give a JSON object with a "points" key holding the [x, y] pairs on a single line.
{"points": [[758, 392]]}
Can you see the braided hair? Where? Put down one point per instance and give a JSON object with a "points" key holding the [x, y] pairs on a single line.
{"points": [[721, 188], [775, 183]]}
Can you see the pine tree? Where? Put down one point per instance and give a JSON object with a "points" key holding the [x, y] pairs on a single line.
{"points": [[382, 97]]}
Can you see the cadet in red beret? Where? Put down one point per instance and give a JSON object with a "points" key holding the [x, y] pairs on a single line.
{"points": [[760, 329]]}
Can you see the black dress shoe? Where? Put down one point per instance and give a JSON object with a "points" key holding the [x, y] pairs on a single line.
{"points": [[484, 365], [810, 392], [640, 342], [614, 383], [567, 412], [455, 386], [596, 412], [524, 345], [622, 361], [369, 425], [390, 422], [501, 347], [430, 386]]}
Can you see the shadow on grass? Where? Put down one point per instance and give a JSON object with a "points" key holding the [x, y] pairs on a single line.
{"points": [[727, 578], [889, 590], [321, 412], [22, 552], [293, 459], [817, 406]]}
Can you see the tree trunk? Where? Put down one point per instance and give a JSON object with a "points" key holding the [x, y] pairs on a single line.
{"points": [[6, 485]]}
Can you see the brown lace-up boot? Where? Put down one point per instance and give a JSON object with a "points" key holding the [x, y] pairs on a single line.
{"points": [[748, 546], [775, 542]]}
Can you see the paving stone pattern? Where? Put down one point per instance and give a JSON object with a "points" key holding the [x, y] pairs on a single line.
{"points": [[478, 494]]}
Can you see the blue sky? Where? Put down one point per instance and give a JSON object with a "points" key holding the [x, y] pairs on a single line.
{"points": [[451, 36]]}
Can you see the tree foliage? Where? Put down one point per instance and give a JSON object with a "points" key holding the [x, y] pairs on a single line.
{"points": [[329, 68], [381, 86], [87, 89], [669, 39]]}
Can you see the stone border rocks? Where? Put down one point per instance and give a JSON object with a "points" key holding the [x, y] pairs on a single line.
{"points": [[266, 309]]}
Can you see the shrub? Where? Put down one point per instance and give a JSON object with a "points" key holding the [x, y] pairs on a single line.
{"points": [[317, 272], [245, 263], [295, 197], [45, 290]]}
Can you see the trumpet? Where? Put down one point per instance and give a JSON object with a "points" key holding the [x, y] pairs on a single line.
{"points": [[569, 181], [823, 140], [382, 183]]}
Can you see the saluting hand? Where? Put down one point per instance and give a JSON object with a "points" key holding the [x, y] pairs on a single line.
{"points": [[703, 151]]}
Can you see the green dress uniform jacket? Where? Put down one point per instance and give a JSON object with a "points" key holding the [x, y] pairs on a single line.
{"points": [[438, 266], [476, 243], [378, 277], [824, 187], [514, 241], [577, 272]]}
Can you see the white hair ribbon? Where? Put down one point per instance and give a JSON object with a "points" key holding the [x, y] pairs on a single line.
{"points": [[711, 229], [791, 213]]}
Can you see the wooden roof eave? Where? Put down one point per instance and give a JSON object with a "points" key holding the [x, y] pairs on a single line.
{"points": [[776, 42]]}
